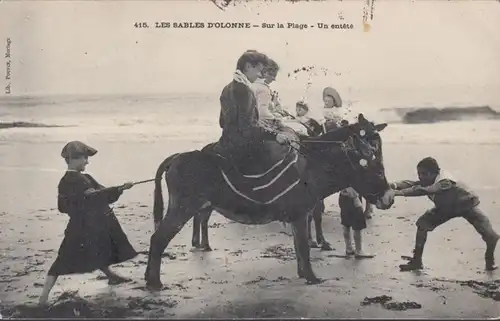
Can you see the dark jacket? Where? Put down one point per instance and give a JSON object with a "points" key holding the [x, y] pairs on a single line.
{"points": [[239, 119], [93, 238]]}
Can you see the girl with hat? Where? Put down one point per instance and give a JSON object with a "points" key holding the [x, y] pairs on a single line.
{"points": [[332, 109], [93, 238]]}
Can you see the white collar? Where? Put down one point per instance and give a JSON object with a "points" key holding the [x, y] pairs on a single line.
{"points": [[262, 81], [240, 77], [443, 175]]}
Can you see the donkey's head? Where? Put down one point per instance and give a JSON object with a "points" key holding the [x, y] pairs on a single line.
{"points": [[361, 161]]}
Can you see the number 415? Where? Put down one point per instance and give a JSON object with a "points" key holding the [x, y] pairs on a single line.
{"points": [[141, 25]]}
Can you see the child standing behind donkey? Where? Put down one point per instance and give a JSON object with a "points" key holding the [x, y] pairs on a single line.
{"points": [[93, 238], [352, 217]]}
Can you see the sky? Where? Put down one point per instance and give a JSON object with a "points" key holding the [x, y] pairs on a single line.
{"points": [[92, 47]]}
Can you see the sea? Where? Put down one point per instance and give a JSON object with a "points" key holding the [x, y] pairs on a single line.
{"points": [[194, 117]]}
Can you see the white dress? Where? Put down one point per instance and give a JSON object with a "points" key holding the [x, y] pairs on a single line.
{"points": [[263, 95]]}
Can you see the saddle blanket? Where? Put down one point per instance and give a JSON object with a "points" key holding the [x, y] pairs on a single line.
{"points": [[268, 186]]}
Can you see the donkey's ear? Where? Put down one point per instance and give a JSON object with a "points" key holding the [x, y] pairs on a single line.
{"points": [[380, 127], [361, 118]]}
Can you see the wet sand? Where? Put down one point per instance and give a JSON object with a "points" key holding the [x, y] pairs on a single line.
{"points": [[252, 270]]}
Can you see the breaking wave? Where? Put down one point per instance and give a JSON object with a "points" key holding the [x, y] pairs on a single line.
{"points": [[23, 124], [429, 115]]}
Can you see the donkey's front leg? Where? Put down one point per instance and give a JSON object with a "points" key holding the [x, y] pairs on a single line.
{"points": [[300, 270], [195, 240], [310, 241], [318, 223], [204, 217], [300, 232]]}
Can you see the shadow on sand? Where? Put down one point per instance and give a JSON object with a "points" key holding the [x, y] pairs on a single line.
{"points": [[71, 305], [255, 309]]}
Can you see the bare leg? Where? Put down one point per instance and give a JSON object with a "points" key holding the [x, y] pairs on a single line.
{"points": [[416, 262], [177, 216], [358, 242], [368, 210], [420, 240], [299, 228], [50, 281], [483, 226], [348, 240], [205, 216]]}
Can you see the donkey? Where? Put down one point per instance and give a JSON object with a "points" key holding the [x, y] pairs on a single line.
{"points": [[200, 227], [202, 181], [200, 221]]}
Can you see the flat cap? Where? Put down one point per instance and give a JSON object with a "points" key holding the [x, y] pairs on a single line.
{"points": [[75, 149], [329, 91]]}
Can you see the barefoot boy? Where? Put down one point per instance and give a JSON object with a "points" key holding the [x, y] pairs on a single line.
{"points": [[93, 238], [451, 199], [352, 217]]}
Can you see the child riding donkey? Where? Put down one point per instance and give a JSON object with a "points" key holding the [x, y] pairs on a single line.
{"points": [[245, 139], [239, 116], [268, 105], [451, 199]]}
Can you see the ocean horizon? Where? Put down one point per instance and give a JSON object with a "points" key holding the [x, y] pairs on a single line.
{"points": [[148, 116]]}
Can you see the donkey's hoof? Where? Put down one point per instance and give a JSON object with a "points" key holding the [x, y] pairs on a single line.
{"points": [[313, 244], [207, 248], [491, 268], [154, 285], [315, 280], [326, 247], [301, 275]]}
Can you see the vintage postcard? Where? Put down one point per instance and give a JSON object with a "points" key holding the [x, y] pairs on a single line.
{"points": [[249, 159]]}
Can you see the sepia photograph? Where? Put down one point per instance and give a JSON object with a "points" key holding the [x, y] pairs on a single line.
{"points": [[249, 159]]}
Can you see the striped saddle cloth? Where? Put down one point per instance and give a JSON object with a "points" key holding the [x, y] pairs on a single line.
{"points": [[262, 181]]}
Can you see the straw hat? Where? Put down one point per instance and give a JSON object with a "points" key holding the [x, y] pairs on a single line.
{"points": [[75, 149], [329, 91]]}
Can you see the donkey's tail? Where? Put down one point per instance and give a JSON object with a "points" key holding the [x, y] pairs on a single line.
{"points": [[159, 206]]}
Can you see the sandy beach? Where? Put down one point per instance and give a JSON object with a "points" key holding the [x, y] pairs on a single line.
{"points": [[252, 270], [138, 95]]}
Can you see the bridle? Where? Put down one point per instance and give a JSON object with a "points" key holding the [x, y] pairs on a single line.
{"points": [[346, 146]]}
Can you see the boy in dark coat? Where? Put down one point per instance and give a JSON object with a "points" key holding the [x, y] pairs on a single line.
{"points": [[451, 199], [93, 238]]}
